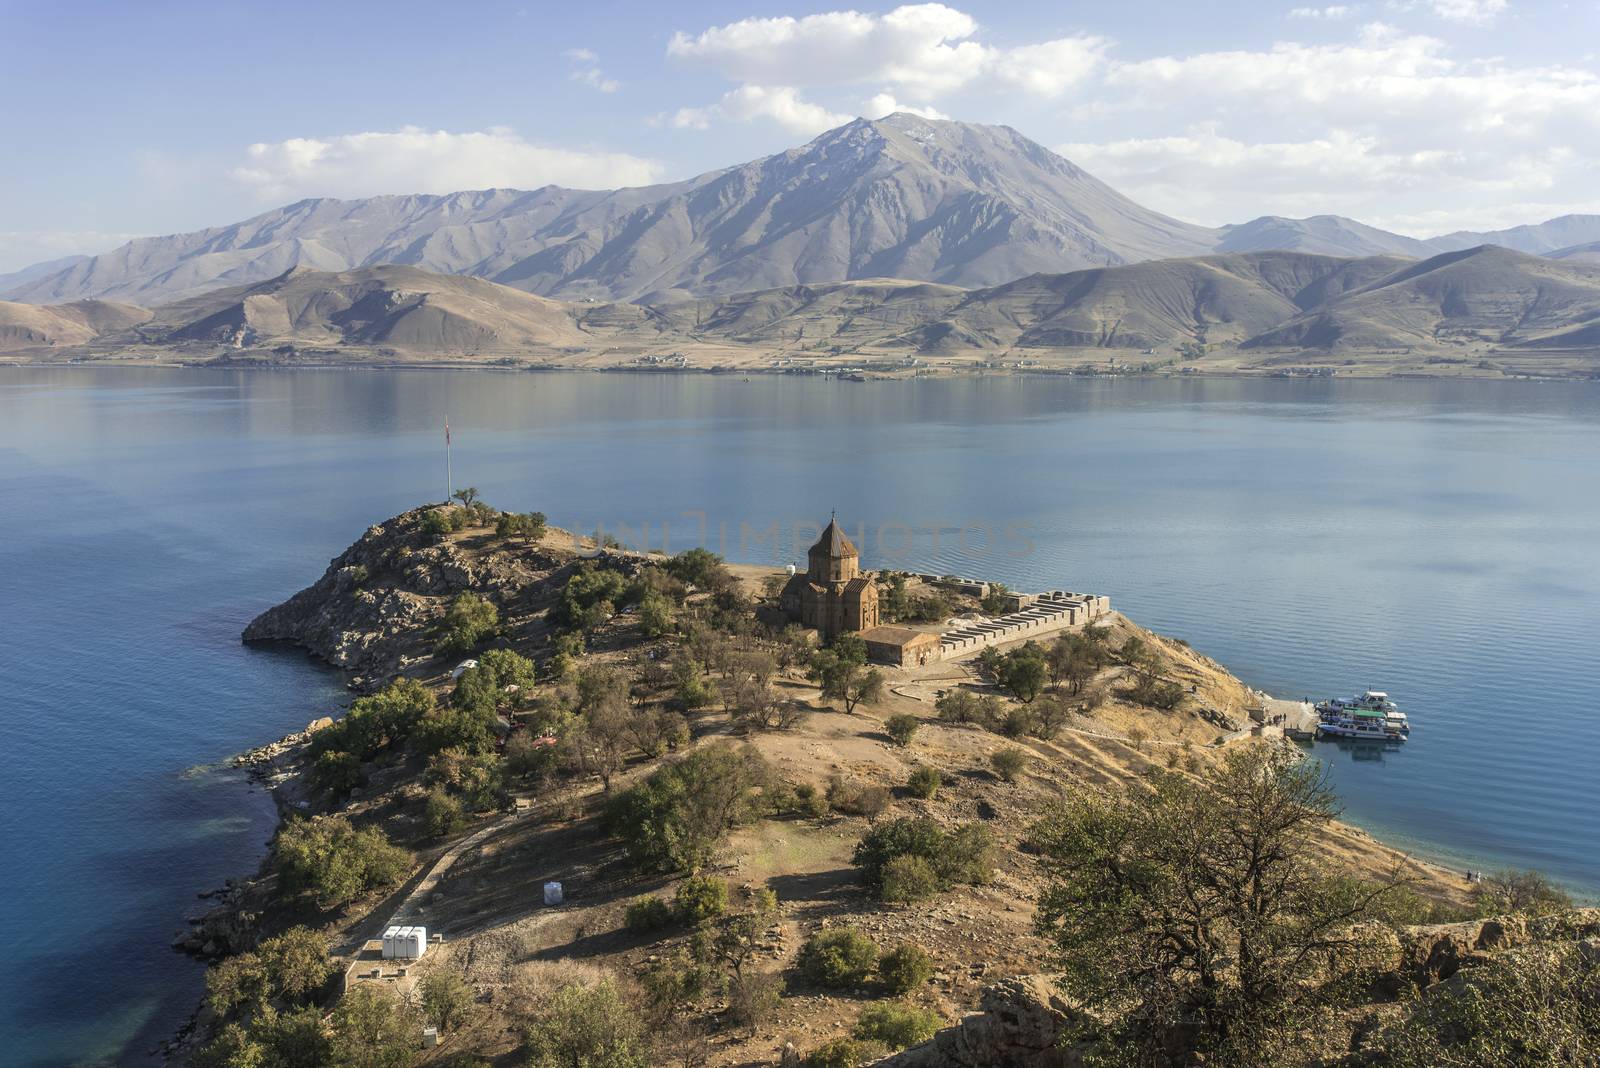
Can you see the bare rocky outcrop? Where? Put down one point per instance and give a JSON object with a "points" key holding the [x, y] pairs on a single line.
{"points": [[1020, 1023], [373, 609]]}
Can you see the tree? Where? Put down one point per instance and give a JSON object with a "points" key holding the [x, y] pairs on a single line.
{"points": [[371, 1030], [700, 898], [995, 601], [467, 496], [1008, 763], [842, 677], [290, 968], [700, 567], [586, 1027], [606, 737], [1075, 659], [657, 615], [469, 621], [1193, 912], [675, 819], [446, 998], [1024, 672], [331, 860], [380, 721], [1528, 892], [442, 814]]}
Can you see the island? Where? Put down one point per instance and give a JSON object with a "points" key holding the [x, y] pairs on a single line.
{"points": [[600, 805]]}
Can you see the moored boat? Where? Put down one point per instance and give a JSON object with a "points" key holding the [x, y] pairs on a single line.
{"points": [[1371, 715]]}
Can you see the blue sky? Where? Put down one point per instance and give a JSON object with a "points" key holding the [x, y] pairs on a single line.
{"points": [[123, 119]]}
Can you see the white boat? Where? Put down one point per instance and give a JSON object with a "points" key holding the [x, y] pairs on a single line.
{"points": [[1370, 715]]}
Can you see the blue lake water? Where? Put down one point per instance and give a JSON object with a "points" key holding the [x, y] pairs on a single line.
{"points": [[1434, 539]]}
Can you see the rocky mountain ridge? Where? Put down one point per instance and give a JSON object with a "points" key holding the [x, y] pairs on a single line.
{"points": [[899, 197]]}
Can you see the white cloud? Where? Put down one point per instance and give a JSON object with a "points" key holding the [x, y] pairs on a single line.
{"points": [[876, 107], [1331, 13], [586, 69], [414, 160], [781, 104], [923, 50], [1472, 12]]}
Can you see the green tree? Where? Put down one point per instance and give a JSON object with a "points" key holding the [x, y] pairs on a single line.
{"points": [[1527, 892], [699, 567], [469, 621], [963, 855], [468, 497], [675, 819], [586, 1027], [446, 998], [1193, 911], [442, 814], [332, 861], [372, 1030], [700, 898], [1024, 672], [657, 614], [383, 720]]}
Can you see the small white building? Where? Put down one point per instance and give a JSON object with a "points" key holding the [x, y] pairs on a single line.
{"points": [[405, 943]]}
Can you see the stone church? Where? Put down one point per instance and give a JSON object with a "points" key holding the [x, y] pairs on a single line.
{"points": [[833, 595]]}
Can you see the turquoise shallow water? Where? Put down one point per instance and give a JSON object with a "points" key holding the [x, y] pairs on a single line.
{"points": [[1434, 539]]}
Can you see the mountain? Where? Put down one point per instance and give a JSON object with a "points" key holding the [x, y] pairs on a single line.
{"points": [[900, 197], [388, 306], [1585, 253], [1485, 294], [1325, 235], [38, 270], [1538, 239], [33, 326]]}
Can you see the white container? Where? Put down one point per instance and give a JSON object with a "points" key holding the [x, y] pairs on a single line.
{"points": [[405, 943], [391, 937], [552, 893]]}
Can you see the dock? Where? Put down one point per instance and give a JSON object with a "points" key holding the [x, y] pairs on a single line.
{"points": [[1298, 718]]}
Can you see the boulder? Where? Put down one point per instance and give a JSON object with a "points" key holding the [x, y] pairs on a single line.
{"points": [[1020, 1023]]}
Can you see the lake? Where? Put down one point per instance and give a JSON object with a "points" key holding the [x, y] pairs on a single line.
{"points": [[1434, 539]]}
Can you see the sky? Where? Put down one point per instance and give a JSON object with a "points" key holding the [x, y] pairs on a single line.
{"points": [[123, 119]]}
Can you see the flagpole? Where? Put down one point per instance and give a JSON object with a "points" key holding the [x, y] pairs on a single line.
{"points": [[449, 477]]}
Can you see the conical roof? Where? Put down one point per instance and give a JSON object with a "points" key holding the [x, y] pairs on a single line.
{"points": [[833, 541]]}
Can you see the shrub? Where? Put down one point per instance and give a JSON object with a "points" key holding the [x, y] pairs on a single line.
{"points": [[1528, 892], [838, 957], [901, 727], [333, 861], [964, 855], [924, 783], [896, 1024], [370, 1030], [469, 621], [1008, 763], [810, 801], [1017, 722], [842, 1053], [908, 879], [337, 772], [675, 819], [382, 720], [904, 968], [852, 799], [754, 997], [291, 967], [592, 1026], [446, 998], [442, 814], [649, 913], [701, 898]]}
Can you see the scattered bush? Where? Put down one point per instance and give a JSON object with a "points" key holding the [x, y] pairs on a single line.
{"points": [[896, 1025], [924, 782], [964, 855], [701, 898], [446, 998], [1528, 892], [1008, 763], [370, 1030], [291, 968], [380, 721], [907, 879], [333, 861], [838, 958], [901, 727], [810, 801], [1155, 693], [650, 913], [905, 968]]}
